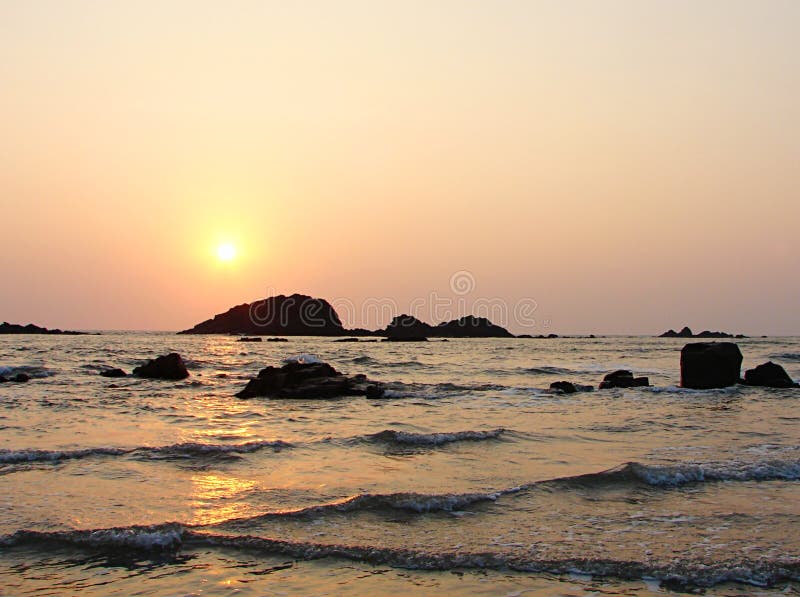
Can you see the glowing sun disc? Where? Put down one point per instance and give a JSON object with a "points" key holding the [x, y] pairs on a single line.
{"points": [[226, 252]]}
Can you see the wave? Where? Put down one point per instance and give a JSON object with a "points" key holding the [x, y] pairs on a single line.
{"points": [[418, 503], [787, 356], [182, 450], [550, 370], [431, 439], [168, 539], [684, 474]]}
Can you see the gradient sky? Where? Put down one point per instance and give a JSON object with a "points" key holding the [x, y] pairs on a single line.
{"points": [[630, 166]]}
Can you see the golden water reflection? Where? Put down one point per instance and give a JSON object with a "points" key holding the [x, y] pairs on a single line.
{"points": [[216, 498]]}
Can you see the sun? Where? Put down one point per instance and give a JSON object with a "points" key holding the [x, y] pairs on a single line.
{"points": [[226, 252]]}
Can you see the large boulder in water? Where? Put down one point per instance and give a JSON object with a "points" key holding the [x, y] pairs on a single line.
{"points": [[706, 365], [623, 379], [169, 366], [313, 380], [770, 375]]}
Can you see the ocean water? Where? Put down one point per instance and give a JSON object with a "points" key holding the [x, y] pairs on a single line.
{"points": [[469, 477]]}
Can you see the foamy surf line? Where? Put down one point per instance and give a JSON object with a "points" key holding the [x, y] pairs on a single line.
{"points": [[170, 539]]}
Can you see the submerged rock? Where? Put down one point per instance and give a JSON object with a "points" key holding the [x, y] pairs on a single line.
{"points": [[277, 340], [347, 340], [248, 339], [169, 366], [113, 373], [309, 381], [706, 365], [769, 375], [623, 378]]}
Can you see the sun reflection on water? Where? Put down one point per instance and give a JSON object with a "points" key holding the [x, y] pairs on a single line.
{"points": [[216, 498]]}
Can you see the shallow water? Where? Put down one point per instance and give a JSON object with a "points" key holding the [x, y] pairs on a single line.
{"points": [[469, 477]]}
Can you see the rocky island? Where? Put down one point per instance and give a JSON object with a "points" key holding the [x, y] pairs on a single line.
{"points": [[302, 315], [15, 328]]}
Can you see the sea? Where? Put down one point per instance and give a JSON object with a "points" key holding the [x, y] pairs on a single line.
{"points": [[469, 477]]}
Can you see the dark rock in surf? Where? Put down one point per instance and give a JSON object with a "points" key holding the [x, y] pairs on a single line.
{"points": [[406, 339], [706, 365], [623, 379], [113, 373], [20, 378], [567, 387], [769, 375], [277, 340], [524, 336], [249, 339], [312, 381], [169, 366], [3, 379], [347, 340]]}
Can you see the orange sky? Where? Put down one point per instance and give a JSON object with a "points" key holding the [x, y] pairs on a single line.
{"points": [[629, 166]]}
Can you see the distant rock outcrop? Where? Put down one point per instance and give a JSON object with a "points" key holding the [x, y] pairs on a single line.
{"points": [[770, 375], [14, 328], [686, 332], [706, 365], [470, 327], [295, 315], [313, 381], [408, 328], [623, 379], [169, 366]]}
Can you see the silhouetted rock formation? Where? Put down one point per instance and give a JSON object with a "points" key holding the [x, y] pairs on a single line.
{"points": [[113, 373], [309, 381], [295, 315], [706, 365], [623, 379], [277, 340], [770, 375], [169, 366], [347, 340], [14, 328], [407, 327], [470, 327], [567, 387], [248, 339], [687, 333]]}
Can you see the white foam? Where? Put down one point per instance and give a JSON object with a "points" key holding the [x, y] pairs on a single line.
{"points": [[303, 359]]}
